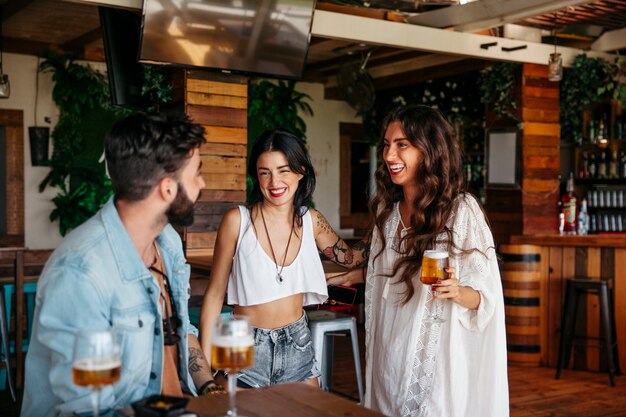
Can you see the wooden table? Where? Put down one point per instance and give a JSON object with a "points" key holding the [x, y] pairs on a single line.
{"points": [[281, 401], [17, 253]]}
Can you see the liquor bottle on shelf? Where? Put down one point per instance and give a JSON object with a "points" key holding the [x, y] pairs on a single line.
{"points": [[583, 219], [602, 165], [592, 131], [593, 167], [622, 159], [584, 166], [569, 207]]}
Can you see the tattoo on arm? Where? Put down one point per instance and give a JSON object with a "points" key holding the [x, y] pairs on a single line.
{"points": [[195, 355], [323, 224], [339, 253], [363, 247]]}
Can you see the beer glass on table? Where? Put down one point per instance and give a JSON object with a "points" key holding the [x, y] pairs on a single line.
{"points": [[232, 349], [433, 264], [97, 362]]}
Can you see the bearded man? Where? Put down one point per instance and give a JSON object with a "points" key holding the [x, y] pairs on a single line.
{"points": [[124, 269]]}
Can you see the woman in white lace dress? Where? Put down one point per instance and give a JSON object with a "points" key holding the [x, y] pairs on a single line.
{"points": [[415, 367]]}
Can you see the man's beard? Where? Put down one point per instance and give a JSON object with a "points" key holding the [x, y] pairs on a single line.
{"points": [[180, 212]]}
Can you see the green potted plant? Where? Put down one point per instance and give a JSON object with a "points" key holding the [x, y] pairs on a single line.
{"points": [[85, 114]]}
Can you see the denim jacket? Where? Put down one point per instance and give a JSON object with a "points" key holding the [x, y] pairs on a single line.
{"points": [[96, 279]]}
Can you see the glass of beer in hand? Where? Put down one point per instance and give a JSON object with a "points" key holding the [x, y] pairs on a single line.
{"points": [[433, 264], [97, 361], [232, 349]]}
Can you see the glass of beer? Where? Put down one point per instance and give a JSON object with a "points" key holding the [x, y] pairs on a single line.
{"points": [[97, 361], [433, 265], [232, 349]]}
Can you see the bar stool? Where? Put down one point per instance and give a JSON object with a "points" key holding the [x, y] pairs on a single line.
{"points": [[6, 352], [324, 326], [30, 289], [575, 288]]}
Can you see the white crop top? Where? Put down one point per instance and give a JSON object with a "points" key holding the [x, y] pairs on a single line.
{"points": [[252, 278]]}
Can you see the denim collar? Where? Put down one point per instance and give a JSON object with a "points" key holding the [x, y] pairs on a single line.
{"points": [[129, 263]]}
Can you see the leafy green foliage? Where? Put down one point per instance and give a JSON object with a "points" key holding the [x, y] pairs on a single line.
{"points": [[275, 104], [588, 81], [498, 87], [86, 113], [454, 97], [155, 88]]}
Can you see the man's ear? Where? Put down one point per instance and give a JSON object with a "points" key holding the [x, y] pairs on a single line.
{"points": [[168, 189]]}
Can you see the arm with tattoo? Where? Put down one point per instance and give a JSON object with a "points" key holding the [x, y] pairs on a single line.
{"points": [[336, 249], [199, 368]]}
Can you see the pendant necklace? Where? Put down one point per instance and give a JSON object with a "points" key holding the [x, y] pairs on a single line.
{"points": [[404, 230], [279, 272]]}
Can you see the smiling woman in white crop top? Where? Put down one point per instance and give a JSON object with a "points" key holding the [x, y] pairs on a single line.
{"points": [[266, 256]]}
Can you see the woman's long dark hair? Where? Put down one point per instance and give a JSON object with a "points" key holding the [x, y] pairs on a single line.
{"points": [[298, 159], [440, 181]]}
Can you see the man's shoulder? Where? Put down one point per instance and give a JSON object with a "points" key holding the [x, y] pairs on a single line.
{"points": [[82, 245]]}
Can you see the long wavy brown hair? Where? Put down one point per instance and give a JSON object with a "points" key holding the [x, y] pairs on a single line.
{"points": [[440, 179]]}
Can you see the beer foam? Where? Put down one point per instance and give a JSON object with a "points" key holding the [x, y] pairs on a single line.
{"points": [[435, 254], [97, 364], [233, 342]]}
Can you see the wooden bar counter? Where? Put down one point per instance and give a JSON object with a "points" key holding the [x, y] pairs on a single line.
{"points": [[601, 257]]}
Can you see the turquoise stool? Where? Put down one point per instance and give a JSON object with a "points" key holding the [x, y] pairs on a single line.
{"points": [[30, 289], [194, 314]]}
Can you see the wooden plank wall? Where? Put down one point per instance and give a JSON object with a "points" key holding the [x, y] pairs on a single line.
{"points": [[219, 103], [540, 150]]}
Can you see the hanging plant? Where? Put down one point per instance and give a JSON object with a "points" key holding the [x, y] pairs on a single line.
{"points": [[615, 80], [583, 84], [497, 89]]}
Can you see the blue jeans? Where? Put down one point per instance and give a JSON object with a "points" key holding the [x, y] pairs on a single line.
{"points": [[281, 355]]}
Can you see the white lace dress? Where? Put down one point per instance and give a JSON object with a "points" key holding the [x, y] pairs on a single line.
{"points": [[417, 368]]}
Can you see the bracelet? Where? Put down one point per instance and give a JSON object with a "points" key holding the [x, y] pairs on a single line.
{"points": [[210, 387]]}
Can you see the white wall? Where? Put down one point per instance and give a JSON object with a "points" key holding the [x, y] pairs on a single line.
{"points": [[40, 233], [323, 140]]}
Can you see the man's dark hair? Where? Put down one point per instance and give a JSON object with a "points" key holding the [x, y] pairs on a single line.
{"points": [[142, 149]]}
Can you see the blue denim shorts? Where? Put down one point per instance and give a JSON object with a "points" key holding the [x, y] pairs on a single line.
{"points": [[281, 355]]}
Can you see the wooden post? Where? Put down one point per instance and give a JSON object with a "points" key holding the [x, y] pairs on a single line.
{"points": [[220, 103], [540, 150]]}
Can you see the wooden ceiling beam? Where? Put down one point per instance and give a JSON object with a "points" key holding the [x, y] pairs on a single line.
{"points": [[83, 40], [486, 14], [415, 77], [26, 47], [12, 7], [421, 38]]}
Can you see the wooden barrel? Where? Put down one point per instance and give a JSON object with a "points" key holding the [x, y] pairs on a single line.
{"points": [[521, 271]]}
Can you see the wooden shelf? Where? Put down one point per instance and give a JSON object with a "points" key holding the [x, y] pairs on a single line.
{"points": [[600, 181]]}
